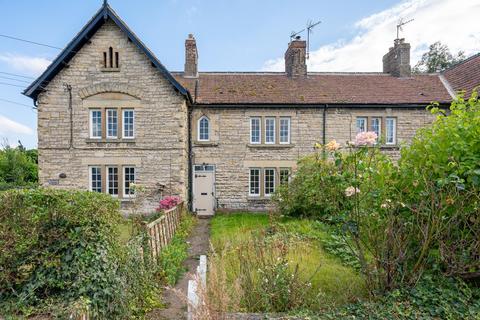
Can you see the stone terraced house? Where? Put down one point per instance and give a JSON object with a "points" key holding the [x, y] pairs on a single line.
{"points": [[110, 113]]}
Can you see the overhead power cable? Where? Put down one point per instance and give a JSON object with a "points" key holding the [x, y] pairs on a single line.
{"points": [[14, 102], [19, 80], [17, 75], [11, 84], [29, 41]]}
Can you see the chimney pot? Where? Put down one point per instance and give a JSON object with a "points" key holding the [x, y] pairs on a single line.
{"points": [[191, 57]]}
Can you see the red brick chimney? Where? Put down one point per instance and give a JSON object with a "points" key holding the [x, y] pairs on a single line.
{"points": [[295, 58], [191, 58]]}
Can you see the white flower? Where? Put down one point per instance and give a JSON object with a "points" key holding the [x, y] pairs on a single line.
{"points": [[350, 191]]}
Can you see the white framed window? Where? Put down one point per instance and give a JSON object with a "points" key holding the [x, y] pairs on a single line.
{"points": [[361, 124], [254, 182], [285, 130], [377, 127], [128, 179], [128, 123], [390, 130], [96, 124], [112, 123], [269, 181], [270, 130], [203, 129], [255, 130], [112, 181], [284, 175], [95, 179]]}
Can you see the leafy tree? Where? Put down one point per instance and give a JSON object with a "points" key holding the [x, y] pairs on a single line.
{"points": [[437, 59], [18, 167]]}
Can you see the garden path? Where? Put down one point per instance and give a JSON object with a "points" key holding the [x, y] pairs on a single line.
{"points": [[175, 298]]}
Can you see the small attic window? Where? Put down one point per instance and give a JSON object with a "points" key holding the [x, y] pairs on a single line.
{"points": [[110, 59]]}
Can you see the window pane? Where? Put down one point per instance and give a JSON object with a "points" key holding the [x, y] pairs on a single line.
{"points": [[390, 130], [254, 182], [129, 177], [376, 126], [96, 123], [203, 129], [254, 130], [361, 125], [112, 123], [270, 130], [284, 175], [284, 130], [113, 180], [269, 181], [128, 123], [96, 179]]}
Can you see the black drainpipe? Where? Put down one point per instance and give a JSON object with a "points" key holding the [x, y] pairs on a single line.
{"points": [[190, 150], [70, 108], [325, 123]]}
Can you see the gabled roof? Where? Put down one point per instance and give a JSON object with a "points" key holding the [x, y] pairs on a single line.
{"points": [[242, 88], [465, 75], [105, 13]]}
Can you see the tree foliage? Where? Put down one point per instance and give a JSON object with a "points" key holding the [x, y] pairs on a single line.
{"points": [[437, 59], [18, 167]]}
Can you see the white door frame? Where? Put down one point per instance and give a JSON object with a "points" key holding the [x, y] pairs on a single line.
{"points": [[214, 191]]}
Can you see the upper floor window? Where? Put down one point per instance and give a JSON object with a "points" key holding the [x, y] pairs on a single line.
{"points": [[255, 130], [128, 123], [284, 130], [95, 124], [361, 124], [203, 129], [391, 131], [112, 123], [270, 130], [110, 58], [376, 125]]}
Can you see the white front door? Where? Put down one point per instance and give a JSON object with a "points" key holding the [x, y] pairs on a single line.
{"points": [[204, 189]]}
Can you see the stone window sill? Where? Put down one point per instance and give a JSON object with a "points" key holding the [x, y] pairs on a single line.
{"points": [[263, 198], [90, 140], [389, 147], [103, 69], [205, 144], [271, 146]]}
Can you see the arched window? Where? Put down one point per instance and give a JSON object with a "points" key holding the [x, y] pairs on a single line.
{"points": [[203, 129]]}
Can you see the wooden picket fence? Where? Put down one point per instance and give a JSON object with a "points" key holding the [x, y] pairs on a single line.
{"points": [[162, 230]]}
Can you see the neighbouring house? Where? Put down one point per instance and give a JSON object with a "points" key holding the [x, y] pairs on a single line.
{"points": [[110, 114]]}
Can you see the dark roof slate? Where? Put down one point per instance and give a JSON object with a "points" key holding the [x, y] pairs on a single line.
{"points": [[105, 12]]}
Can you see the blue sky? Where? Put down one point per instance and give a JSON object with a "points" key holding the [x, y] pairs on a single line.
{"points": [[231, 35]]}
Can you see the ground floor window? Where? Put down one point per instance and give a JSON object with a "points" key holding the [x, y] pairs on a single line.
{"points": [[111, 179], [128, 179], [269, 181], [254, 182], [96, 179]]}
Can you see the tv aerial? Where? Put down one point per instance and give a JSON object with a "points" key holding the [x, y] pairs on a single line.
{"points": [[400, 25], [309, 29]]}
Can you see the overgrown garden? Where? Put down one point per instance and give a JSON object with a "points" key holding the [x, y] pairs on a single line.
{"points": [[409, 229]]}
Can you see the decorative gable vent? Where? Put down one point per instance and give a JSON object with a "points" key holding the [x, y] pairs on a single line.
{"points": [[110, 59]]}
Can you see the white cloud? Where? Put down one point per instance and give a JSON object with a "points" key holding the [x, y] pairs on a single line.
{"points": [[449, 21], [26, 64], [9, 127]]}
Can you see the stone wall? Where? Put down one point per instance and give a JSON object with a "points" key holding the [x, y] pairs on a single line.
{"points": [[159, 150], [229, 149]]}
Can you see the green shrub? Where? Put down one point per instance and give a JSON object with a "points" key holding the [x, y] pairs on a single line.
{"points": [[432, 298], [62, 248], [171, 257], [18, 167]]}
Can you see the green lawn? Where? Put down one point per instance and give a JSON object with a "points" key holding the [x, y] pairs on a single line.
{"points": [[338, 284]]}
